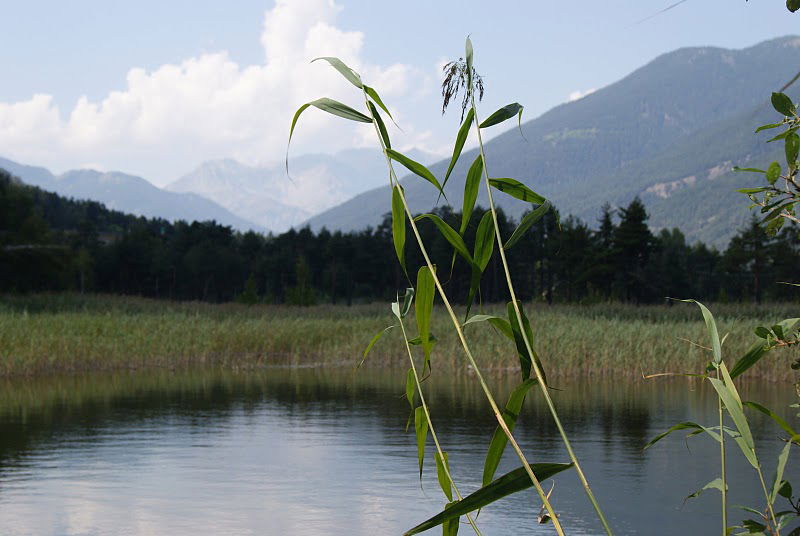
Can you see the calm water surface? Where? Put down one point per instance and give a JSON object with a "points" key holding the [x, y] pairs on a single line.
{"points": [[314, 452]]}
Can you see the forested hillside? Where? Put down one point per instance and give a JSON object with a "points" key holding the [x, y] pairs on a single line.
{"points": [[51, 243]]}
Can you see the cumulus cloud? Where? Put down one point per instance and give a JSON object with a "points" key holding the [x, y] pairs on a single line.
{"points": [[579, 94], [166, 121]]}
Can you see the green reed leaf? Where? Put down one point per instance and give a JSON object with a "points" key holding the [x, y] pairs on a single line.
{"points": [[711, 327], [471, 186], [714, 484], [450, 235], [408, 299], [343, 69], [506, 112], [734, 409], [496, 321], [516, 189], [777, 481], [748, 170], [444, 481], [421, 431], [686, 425], [411, 387], [326, 105], [450, 527], [372, 343], [468, 52], [484, 241], [751, 190], [527, 221], [783, 104], [377, 100], [417, 341], [416, 168], [500, 439], [758, 349], [424, 308], [461, 138], [381, 126], [513, 482], [524, 358], [774, 416], [399, 226]]}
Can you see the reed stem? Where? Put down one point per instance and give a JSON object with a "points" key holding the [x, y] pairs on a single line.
{"points": [[430, 424], [722, 466], [528, 346], [457, 326]]}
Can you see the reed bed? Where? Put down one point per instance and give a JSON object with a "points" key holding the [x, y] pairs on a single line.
{"points": [[52, 334]]}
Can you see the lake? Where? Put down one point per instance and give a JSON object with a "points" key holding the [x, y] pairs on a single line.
{"points": [[325, 451]]}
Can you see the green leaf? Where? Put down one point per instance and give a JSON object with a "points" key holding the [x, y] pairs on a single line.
{"points": [[424, 308], [506, 112], [381, 126], [783, 104], [734, 409], [792, 5], [527, 221], [450, 527], [376, 98], [484, 241], [516, 189], [500, 439], [416, 168], [450, 235], [496, 321], [326, 105], [461, 138], [444, 480], [711, 327], [408, 299], [758, 349], [372, 342], [748, 169], [513, 482], [343, 69], [785, 490], [762, 332], [522, 351], [774, 416], [411, 387], [468, 54], [751, 190], [484, 245], [685, 425], [791, 147], [471, 186], [777, 481], [714, 484], [767, 127], [399, 226], [421, 430]]}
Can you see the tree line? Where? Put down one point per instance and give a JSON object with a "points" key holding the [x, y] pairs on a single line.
{"points": [[49, 243]]}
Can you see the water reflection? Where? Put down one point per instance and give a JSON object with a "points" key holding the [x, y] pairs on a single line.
{"points": [[305, 451]]}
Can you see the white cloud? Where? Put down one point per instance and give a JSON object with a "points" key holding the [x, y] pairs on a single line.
{"points": [[167, 120], [579, 94]]}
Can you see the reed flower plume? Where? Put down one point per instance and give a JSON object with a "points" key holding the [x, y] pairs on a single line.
{"points": [[455, 80]]}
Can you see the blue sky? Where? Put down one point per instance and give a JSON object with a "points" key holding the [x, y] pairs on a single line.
{"points": [[155, 88]]}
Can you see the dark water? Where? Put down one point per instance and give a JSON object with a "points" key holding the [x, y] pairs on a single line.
{"points": [[325, 452]]}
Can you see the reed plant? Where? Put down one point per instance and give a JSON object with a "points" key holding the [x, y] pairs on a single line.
{"points": [[515, 325]]}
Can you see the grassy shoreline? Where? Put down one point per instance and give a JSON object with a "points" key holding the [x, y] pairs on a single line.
{"points": [[67, 333]]}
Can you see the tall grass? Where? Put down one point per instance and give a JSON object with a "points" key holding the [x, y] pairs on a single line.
{"points": [[56, 333]]}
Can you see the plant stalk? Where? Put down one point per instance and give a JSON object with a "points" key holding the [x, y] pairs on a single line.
{"points": [[722, 467], [528, 346], [769, 503], [456, 324], [430, 424]]}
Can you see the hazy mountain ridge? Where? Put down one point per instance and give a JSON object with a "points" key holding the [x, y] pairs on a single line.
{"points": [[127, 193], [266, 195], [683, 115]]}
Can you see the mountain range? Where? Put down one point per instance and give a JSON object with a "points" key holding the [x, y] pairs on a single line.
{"points": [[670, 133]]}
